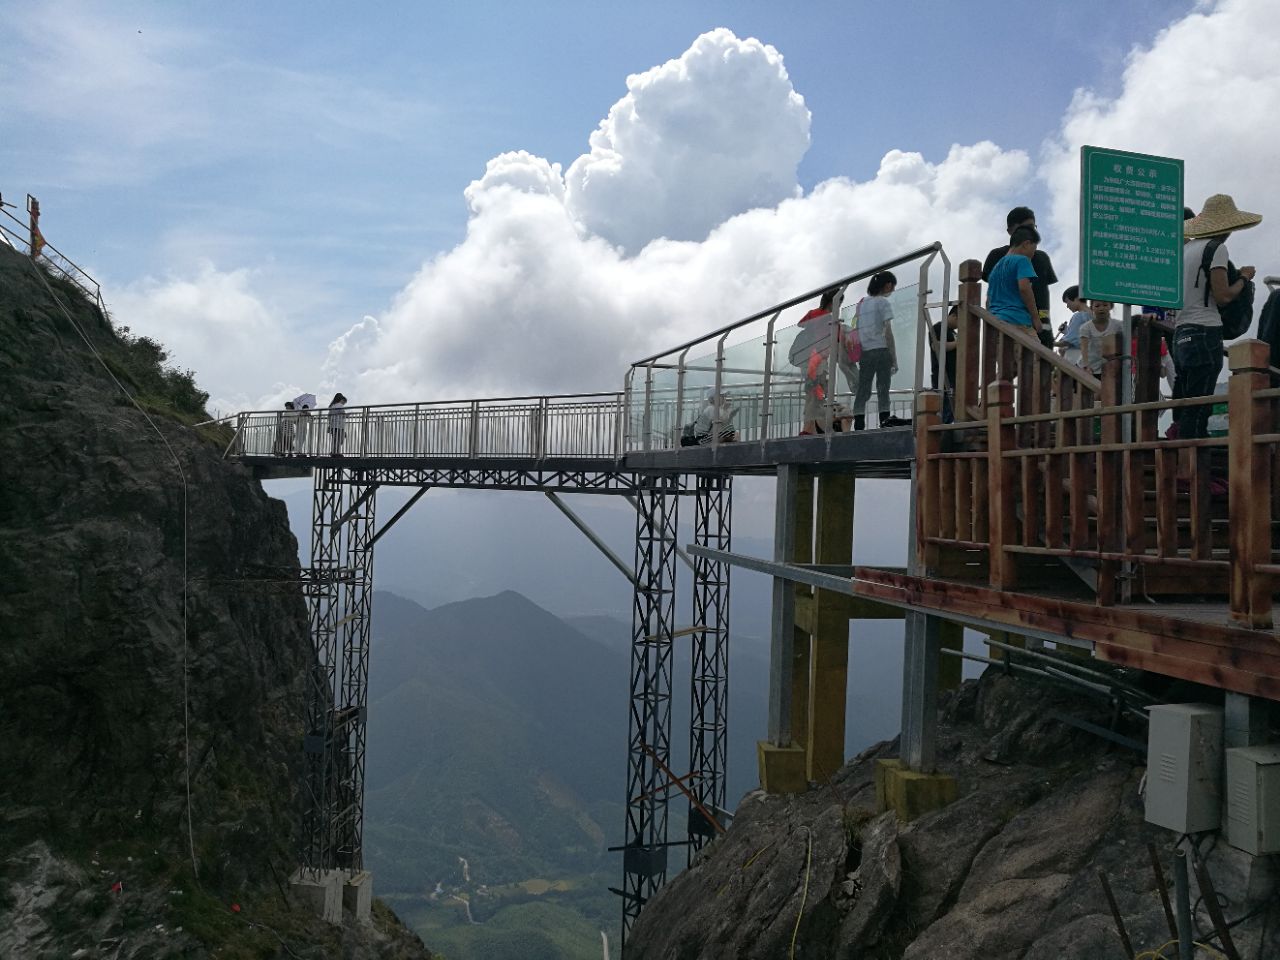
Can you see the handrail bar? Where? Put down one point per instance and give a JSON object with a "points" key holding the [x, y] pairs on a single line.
{"points": [[1157, 405], [795, 301], [465, 401], [1086, 380]]}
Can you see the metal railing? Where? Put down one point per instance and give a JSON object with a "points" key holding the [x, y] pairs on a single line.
{"points": [[26, 238], [577, 426], [746, 365]]}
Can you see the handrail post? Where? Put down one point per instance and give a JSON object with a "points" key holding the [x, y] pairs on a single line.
{"points": [[833, 358], [624, 412], [1111, 505], [922, 324], [1002, 495], [364, 434], [929, 506], [415, 450], [1250, 482], [715, 432], [968, 337], [680, 371], [769, 343], [540, 434], [473, 438], [647, 422]]}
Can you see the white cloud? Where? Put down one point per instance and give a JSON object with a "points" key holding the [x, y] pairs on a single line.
{"points": [[715, 132], [538, 297], [216, 323], [1206, 90]]}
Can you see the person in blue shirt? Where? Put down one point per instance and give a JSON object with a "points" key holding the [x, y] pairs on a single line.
{"points": [[1009, 294]]}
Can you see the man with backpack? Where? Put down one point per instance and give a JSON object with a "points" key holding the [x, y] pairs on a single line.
{"points": [[1217, 305]]}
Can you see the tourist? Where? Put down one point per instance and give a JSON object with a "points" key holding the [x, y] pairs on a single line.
{"points": [[948, 341], [1197, 336], [1009, 294], [715, 422], [819, 331], [879, 362], [1095, 336], [1069, 342], [1044, 275], [286, 425], [337, 424]]}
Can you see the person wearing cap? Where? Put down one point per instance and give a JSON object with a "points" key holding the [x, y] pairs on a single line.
{"points": [[337, 424], [1197, 335]]}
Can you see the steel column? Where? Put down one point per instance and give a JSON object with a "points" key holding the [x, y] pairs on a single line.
{"points": [[709, 693], [644, 864], [317, 841], [352, 690]]}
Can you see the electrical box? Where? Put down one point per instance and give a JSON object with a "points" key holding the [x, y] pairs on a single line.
{"points": [[1253, 799], [1184, 767]]}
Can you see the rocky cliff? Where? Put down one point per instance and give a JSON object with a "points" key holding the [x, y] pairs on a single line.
{"points": [[1009, 871], [153, 644]]}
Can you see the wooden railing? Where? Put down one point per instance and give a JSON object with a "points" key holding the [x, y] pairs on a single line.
{"points": [[1058, 467]]}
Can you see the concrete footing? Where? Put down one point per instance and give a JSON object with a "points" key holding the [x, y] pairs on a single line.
{"points": [[782, 769], [357, 896], [320, 891], [909, 794]]}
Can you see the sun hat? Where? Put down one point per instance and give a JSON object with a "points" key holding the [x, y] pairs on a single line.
{"points": [[1220, 215]]}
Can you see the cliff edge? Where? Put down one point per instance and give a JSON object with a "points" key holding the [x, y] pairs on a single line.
{"points": [[118, 699]]}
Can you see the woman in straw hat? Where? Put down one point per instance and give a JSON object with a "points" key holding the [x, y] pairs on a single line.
{"points": [[1197, 338]]}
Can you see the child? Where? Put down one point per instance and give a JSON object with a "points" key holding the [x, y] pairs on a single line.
{"points": [[1080, 315], [1009, 294], [1092, 336], [1044, 276]]}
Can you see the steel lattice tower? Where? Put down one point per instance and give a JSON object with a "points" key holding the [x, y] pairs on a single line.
{"points": [[709, 689], [644, 862], [324, 602]]}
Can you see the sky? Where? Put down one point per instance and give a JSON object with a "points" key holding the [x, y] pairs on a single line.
{"points": [[431, 201]]}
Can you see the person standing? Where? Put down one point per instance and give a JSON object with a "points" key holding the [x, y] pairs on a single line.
{"points": [[1094, 334], [1009, 294], [1197, 335], [879, 353], [1080, 315], [1044, 276], [945, 335], [337, 424]]}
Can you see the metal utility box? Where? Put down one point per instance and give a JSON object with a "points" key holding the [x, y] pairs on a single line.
{"points": [[1253, 799], [1184, 767]]}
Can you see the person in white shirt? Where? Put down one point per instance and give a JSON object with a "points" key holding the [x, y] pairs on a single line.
{"points": [[337, 424], [1093, 342], [879, 353], [1069, 342]]}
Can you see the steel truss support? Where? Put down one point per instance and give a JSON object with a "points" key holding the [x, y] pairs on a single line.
{"points": [[644, 864], [323, 602], [338, 596], [709, 694]]}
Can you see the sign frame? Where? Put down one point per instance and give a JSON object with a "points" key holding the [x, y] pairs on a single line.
{"points": [[1131, 227]]}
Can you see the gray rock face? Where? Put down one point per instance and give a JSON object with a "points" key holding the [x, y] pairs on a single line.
{"points": [[117, 693], [1007, 872]]}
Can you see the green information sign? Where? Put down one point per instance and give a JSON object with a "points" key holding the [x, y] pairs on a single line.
{"points": [[1130, 228]]}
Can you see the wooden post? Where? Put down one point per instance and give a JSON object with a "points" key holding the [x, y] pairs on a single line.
{"points": [[1110, 502], [1250, 484], [968, 342], [1002, 494], [929, 504]]}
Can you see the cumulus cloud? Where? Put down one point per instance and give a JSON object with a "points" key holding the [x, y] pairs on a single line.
{"points": [[715, 132], [217, 323], [1206, 91], [540, 295]]}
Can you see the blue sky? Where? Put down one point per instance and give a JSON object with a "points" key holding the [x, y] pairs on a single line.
{"points": [[277, 172]]}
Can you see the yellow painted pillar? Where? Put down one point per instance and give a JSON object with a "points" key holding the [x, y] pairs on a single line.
{"points": [[829, 664]]}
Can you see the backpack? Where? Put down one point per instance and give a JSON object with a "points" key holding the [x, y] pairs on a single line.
{"points": [[1269, 326], [1238, 314]]}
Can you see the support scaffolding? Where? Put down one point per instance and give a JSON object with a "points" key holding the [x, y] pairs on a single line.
{"points": [[644, 862], [709, 693], [339, 595]]}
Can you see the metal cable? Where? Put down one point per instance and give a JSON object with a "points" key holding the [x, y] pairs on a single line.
{"points": [[186, 712]]}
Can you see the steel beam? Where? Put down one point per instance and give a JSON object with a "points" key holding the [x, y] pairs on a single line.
{"points": [[585, 529], [709, 687], [644, 865]]}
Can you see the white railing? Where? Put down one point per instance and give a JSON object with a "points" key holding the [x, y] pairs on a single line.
{"points": [[579, 426], [747, 365]]}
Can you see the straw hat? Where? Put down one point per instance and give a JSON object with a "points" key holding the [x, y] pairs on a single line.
{"points": [[1219, 215]]}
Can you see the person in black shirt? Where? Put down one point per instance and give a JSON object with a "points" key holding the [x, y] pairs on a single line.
{"points": [[948, 389], [1045, 277]]}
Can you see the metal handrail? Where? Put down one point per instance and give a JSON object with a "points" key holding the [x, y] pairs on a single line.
{"points": [[795, 301]]}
